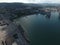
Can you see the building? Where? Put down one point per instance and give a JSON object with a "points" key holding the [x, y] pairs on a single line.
{"points": [[10, 34]]}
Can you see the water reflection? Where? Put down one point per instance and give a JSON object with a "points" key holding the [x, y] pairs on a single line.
{"points": [[53, 16], [59, 16], [48, 16], [43, 29]]}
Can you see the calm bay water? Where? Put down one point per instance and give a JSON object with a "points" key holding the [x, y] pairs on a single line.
{"points": [[43, 30]]}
